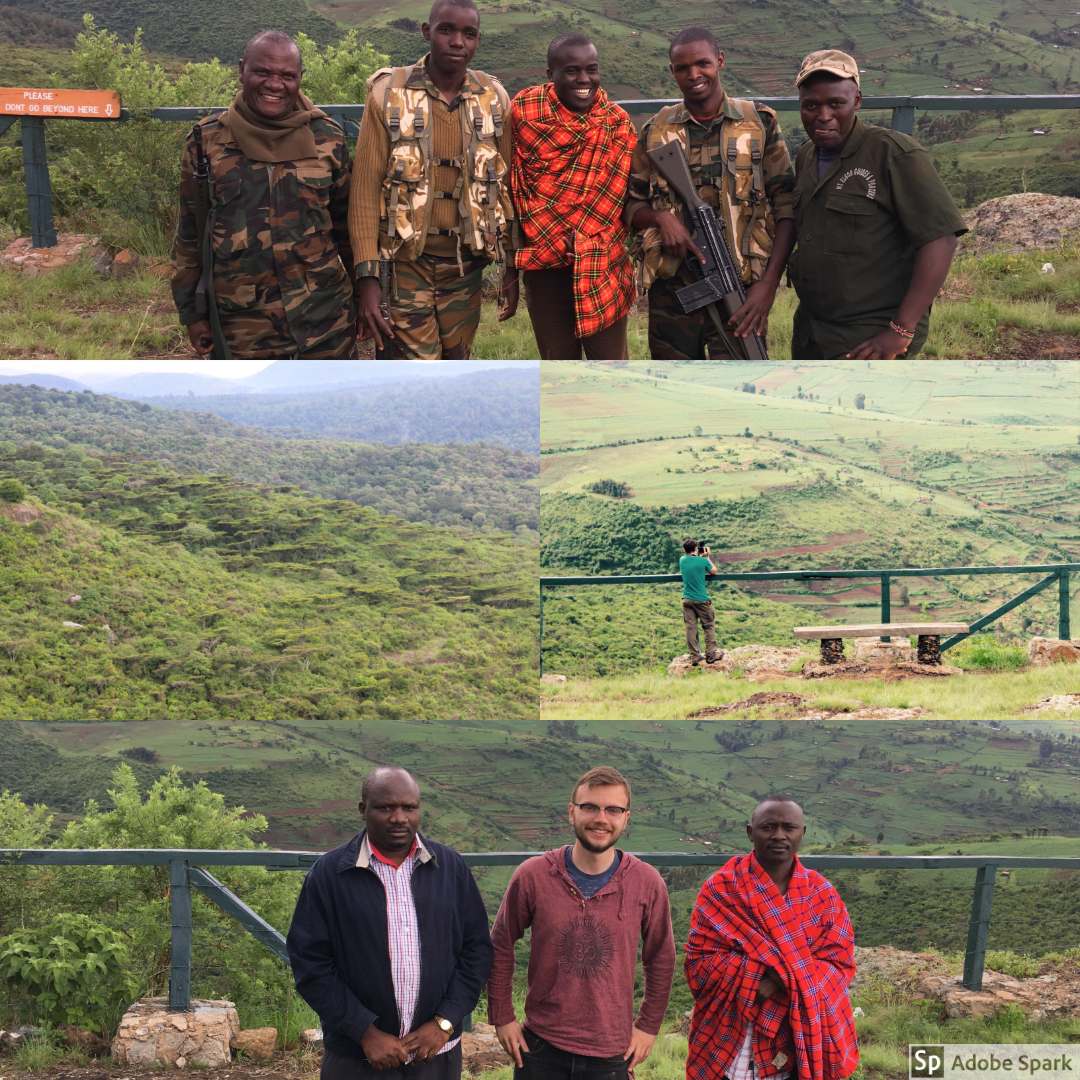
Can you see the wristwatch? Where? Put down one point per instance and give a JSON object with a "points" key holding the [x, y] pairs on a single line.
{"points": [[444, 1024]]}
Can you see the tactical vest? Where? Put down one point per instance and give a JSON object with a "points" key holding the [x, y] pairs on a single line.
{"points": [[737, 175], [408, 187]]}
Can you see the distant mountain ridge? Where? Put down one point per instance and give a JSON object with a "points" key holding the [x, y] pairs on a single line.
{"points": [[282, 376], [500, 406]]}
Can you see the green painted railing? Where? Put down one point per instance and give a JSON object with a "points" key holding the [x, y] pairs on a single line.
{"points": [[39, 191], [1057, 573], [186, 873]]}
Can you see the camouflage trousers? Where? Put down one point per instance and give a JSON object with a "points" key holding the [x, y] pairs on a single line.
{"points": [[436, 308], [674, 335]]}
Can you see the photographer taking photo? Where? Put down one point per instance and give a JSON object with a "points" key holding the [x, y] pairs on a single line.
{"points": [[695, 566]]}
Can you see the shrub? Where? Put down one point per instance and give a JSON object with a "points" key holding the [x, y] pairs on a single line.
{"points": [[615, 488], [12, 491], [985, 653], [75, 969]]}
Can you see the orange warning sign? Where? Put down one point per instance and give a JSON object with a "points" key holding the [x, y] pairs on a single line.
{"points": [[73, 104]]}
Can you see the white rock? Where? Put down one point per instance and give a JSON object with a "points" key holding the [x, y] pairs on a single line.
{"points": [[74, 625], [149, 1034], [1048, 268]]}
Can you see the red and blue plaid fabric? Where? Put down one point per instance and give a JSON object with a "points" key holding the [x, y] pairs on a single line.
{"points": [[741, 925], [404, 934], [569, 178]]}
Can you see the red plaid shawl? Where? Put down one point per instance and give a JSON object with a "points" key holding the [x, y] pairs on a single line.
{"points": [[569, 180], [741, 925]]}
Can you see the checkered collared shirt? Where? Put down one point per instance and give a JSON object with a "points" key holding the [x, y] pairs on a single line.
{"points": [[403, 927]]}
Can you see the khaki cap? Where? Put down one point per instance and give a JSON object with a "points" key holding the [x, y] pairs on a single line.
{"points": [[833, 61]]}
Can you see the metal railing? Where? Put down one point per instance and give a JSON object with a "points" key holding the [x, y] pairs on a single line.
{"points": [[39, 190], [186, 873], [1056, 573]]}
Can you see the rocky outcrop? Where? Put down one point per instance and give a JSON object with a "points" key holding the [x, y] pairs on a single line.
{"points": [[149, 1034], [256, 1042], [760, 663], [1022, 222], [1042, 652], [1044, 997], [69, 248]]}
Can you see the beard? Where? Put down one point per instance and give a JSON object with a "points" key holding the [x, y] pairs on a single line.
{"points": [[589, 844]]}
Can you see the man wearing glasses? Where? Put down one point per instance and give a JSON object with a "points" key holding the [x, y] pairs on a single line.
{"points": [[589, 905]]}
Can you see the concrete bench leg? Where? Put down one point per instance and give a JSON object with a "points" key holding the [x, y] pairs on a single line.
{"points": [[929, 649], [832, 650]]}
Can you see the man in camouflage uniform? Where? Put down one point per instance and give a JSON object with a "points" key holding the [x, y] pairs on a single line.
{"points": [[282, 260], [430, 205], [741, 167]]}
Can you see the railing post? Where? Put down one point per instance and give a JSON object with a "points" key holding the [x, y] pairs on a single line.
{"points": [[903, 119], [38, 188], [180, 905], [886, 603], [979, 927], [1064, 629]]}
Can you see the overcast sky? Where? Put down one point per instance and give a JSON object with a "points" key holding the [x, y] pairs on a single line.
{"points": [[76, 369]]}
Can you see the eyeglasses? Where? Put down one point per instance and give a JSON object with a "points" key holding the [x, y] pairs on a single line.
{"points": [[592, 809]]}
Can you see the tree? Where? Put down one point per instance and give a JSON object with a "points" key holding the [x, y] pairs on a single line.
{"points": [[697, 431], [934, 60], [880, 837], [860, 401], [1046, 748], [12, 491]]}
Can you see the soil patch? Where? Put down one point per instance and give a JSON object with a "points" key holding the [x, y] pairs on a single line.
{"points": [[834, 540], [20, 513], [780, 698], [282, 1067], [1035, 345], [1055, 703]]}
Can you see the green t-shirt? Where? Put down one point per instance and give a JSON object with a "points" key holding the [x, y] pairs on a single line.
{"points": [[858, 230], [694, 570]]}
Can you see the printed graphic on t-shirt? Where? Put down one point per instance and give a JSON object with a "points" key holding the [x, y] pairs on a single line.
{"points": [[859, 178], [585, 947]]}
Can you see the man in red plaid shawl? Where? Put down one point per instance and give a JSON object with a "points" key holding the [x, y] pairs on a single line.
{"points": [[770, 956], [572, 153]]}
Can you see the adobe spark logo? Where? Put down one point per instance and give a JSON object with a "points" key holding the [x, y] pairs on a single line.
{"points": [[926, 1062]]}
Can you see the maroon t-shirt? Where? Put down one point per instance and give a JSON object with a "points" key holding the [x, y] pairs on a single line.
{"points": [[584, 951]]}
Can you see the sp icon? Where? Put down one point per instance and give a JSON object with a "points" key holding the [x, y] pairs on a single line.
{"points": [[926, 1062]]}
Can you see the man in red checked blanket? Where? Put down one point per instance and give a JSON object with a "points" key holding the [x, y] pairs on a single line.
{"points": [[769, 959], [572, 153]]}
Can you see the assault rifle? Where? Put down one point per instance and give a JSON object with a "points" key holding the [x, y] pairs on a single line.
{"points": [[205, 214], [720, 280]]}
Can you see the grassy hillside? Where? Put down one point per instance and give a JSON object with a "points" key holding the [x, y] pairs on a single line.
{"points": [[498, 406], [477, 486], [904, 47], [227, 627], [950, 758], [190, 28]]}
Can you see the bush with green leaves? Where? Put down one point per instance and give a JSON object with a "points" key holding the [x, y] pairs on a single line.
{"points": [[58, 966], [74, 969], [12, 491]]}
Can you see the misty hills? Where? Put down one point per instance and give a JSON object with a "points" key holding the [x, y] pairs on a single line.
{"points": [[500, 406]]}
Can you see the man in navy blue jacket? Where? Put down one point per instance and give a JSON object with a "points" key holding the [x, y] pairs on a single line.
{"points": [[389, 943]]}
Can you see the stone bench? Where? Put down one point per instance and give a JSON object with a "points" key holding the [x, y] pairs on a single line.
{"points": [[930, 634]]}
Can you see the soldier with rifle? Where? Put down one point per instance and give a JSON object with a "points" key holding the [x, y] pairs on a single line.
{"points": [[430, 205], [741, 174], [262, 264]]}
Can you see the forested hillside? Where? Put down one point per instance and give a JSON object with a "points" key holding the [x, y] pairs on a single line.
{"points": [[498, 406], [475, 486], [184, 602]]}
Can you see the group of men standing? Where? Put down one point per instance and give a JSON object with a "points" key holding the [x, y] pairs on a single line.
{"points": [[312, 251], [390, 945]]}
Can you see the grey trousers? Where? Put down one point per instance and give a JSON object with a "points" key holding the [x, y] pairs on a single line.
{"points": [[692, 612]]}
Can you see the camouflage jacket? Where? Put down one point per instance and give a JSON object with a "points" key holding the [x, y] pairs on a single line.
{"points": [[705, 155], [283, 265]]}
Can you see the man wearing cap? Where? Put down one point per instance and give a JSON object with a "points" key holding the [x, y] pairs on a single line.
{"points": [[876, 228]]}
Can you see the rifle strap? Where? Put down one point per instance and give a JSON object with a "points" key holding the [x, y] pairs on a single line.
{"points": [[730, 343]]}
